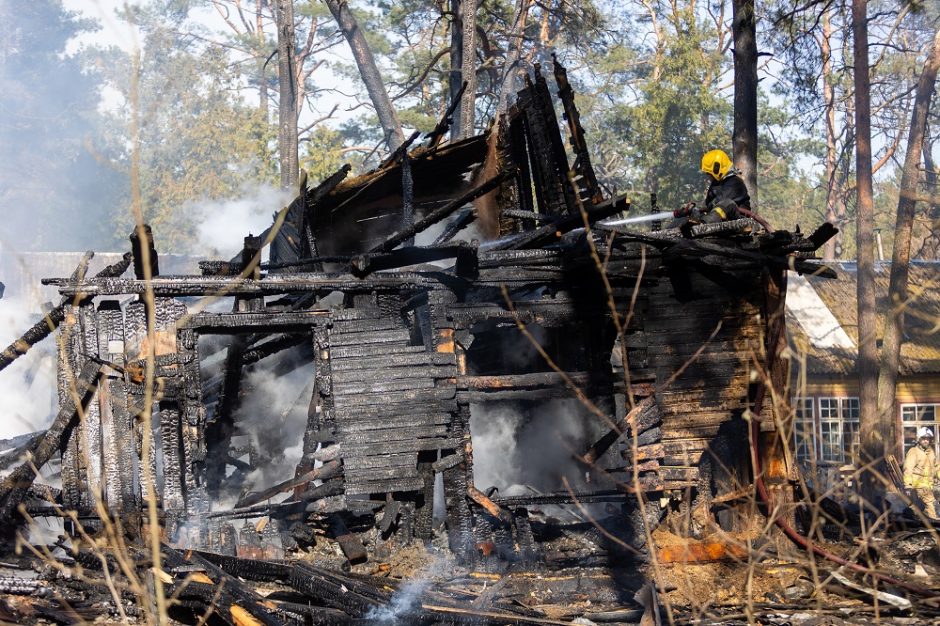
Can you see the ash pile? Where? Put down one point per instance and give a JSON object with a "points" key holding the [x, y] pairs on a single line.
{"points": [[455, 391]]}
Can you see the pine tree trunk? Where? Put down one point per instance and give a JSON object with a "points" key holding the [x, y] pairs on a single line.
{"points": [[930, 248], [745, 94], [262, 58], [287, 93], [904, 225], [871, 430], [456, 64], [469, 67], [369, 72], [829, 251]]}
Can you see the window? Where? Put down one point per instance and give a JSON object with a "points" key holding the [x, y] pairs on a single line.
{"points": [[804, 430], [838, 429], [916, 416]]}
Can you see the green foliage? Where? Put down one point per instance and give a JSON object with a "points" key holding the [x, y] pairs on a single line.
{"points": [[673, 114], [199, 139], [653, 82], [322, 153]]}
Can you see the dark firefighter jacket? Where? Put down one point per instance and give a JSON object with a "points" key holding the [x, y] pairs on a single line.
{"points": [[728, 190]]}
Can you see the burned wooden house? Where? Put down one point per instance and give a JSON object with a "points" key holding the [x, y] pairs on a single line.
{"points": [[661, 341]]}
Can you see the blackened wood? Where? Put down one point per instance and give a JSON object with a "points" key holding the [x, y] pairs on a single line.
{"points": [[439, 214], [582, 161], [309, 245], [172, 448], [272, 346], [117, 425], [141, 245], [365, 264], [324, 472], [640, 418], [370, 445], [348, 542]]}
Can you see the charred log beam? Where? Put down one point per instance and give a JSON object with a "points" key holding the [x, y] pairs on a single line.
{"points": [[291, 322], [41, 329], [640, 418], [439, 214], [273, 346], [316, 283], [324, 472], [22, 444], [434, 137], [528, 215], [219, 431], [236, 603], [521, 381], [283, 509], [17, 484], [462, 220], [20, 440], [365, 264], [677, 248], [582, 161], [488, 505], [542, 499]]}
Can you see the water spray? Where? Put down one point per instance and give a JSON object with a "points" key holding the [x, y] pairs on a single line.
{"points": [[639, 219]]}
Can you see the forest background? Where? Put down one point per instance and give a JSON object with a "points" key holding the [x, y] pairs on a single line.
{"points": [[189, 109]]}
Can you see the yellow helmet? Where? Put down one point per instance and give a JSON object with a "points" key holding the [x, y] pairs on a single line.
{"points": [[716, 163]]}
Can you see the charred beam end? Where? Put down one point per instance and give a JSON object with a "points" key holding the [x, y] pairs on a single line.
{"points": [[142, 247], [325, 471], [439, 214], [365, 264], [272, 346], [41, 329], [640, 418]]}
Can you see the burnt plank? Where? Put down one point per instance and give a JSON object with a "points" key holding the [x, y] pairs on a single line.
{"points": [[372, 448], [418, 396], [369, 337], [416, 421], [391, 410], [385, 486], [392, 434], [376, 390], [371, 350], [412, 359], [385, 460]]}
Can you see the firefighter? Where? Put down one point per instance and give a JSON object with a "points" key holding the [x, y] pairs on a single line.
{"points": [[920, 471], [726, 193]]}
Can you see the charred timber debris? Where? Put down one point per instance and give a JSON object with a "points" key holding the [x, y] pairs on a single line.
{"points": [[653, 334]]}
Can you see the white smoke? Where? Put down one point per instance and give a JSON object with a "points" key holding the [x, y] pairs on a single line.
{"points": [[226, 222], [273, 413], [517, 450], [408, 597], [27, 386]]}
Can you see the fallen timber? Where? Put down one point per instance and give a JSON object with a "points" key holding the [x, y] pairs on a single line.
{"points": [[414, 348]]}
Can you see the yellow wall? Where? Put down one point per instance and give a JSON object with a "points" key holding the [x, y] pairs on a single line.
{"points": [[924, 388]]}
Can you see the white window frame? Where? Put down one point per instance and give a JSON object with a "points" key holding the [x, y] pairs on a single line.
{"points": [[805, 437], [909, 427], [838, 421]]}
